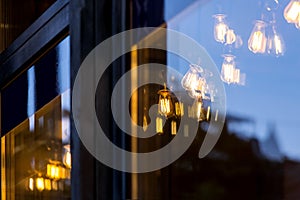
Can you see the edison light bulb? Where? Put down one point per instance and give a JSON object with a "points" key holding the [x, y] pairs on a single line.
{"points": [[31, 184], [220, 28], [190, 79], [67, 157], [257, 40], [228, 69], [276, 44], [40, 186], [195, 111], [198, 88], [159, 125], [165, 104], [297, 24], [292, 11], [230, 36]]}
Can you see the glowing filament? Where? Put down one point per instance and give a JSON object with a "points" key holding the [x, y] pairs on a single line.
{"points": [[173, 128], [257, 41], [31, 184], [48, 184], [230, 37], [220, 28], [179, 110], [67, 158], [40, 186], [159, 125]]}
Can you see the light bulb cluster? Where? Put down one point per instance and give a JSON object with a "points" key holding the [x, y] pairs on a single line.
{"points": [[53, 177], [230, 74], [263, 41], [223, 33], [292, 13], [195, 84]]}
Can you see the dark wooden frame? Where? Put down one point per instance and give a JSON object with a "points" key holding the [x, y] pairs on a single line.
{"points": [[45, 32]]}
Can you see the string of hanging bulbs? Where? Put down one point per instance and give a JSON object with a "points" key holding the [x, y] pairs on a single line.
{"points": [[264, 38]]}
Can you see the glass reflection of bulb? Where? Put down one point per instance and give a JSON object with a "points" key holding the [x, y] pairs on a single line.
{"points": [[198, 88], [190, 79], [31, 184], [159, 125], [230, 36], [276, 44], [220, 28], [165, 104], [67, 158], [179, 109], [173, 128], [196, 110], [48, 184], [257, 40], [297, 24], [292, 11], [40, 186], [228, 69]]}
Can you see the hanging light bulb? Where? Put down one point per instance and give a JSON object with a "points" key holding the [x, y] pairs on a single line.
{"points": [[40, 186], [230, 36], [173, 128], [292, 11], [159, 125], [198, 89], [165, 103], [190, 79], [220, 28], [228, 69], [31, 184], [275, 43], [257, 40], [179, 109], [196, 110], [297, 24]]}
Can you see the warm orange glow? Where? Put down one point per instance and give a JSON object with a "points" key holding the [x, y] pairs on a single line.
{"points": [[67, 159], [31, 184], [39, 183], [48, 184], [179, 109], [159, 125], [173, 128]]}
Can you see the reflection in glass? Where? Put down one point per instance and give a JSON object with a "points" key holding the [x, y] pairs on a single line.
{"points": [[38, 159], [229, 72], [220, 28], [276, 44], [257, 40], [165, 103], [292, 11]]}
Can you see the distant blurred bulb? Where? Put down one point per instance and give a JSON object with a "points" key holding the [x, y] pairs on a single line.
{"points": [[228, 69], [276, 44], [230, 36], [292, 11], [165, 103], [257, 40], [220, 28]]}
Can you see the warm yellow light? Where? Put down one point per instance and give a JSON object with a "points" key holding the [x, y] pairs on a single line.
{"points": [[54, 185], [179, 109], [165, 104], [53, 171], [159, 125], [220, 28], [257, 40], [208, 113], [145, 123], [292, 11], [31, 184], [48, 184], [40, 186], [173, 128], [67, 159]]}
